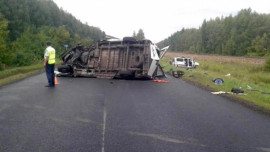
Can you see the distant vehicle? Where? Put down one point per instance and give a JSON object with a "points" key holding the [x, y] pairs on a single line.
{"points": [[184, 62], [114, 58]]}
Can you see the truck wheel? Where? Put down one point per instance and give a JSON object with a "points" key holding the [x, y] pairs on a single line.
{"points": [[65, 69], [129, 39], [127, 74]]}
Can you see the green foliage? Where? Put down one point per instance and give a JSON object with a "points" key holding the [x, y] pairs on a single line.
{"points": [[14, 74], [26, 48], [1, 67], [3, 40], [267, 64], [139, 35], [61, 35], [25, 26], [260, 46], [17, 70], [247, 33], [186, 40], [86, 41], [229, 48]]}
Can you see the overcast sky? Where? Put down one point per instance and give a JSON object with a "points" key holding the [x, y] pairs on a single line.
{"points": [[158, 18]]}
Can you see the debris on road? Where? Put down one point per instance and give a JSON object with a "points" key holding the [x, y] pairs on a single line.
{"points": [[237, 91], [218, 81], [228, 75], [219, 92], [177, 74], [160, 81], [223, 92], [249, 88], [57, 72]]}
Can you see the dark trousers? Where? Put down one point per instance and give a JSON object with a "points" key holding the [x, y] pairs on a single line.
{"points": [[50, 73]]}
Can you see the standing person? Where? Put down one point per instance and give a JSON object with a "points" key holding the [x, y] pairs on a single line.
{"points": [[49, 62]]}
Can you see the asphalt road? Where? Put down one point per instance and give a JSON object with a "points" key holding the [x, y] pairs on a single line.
{"points": [[97, 115]]}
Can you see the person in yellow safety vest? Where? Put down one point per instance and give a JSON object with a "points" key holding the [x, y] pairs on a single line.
{"points": [[49, 62]]}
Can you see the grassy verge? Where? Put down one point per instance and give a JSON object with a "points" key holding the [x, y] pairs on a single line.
{"points": [[242, 74], [17, 73]]}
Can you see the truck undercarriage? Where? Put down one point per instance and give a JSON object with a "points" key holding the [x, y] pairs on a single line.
{"points": [[127, 58]]}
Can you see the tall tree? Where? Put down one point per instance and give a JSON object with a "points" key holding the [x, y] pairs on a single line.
{"points": [[134, 34], [4, 52], [139, 35]]}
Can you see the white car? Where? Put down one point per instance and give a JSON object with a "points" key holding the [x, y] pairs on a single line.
{"points": [[184, 62]]}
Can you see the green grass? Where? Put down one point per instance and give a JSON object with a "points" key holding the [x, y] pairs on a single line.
{"points": [[241, 76], [17, 73], [19, 70]]}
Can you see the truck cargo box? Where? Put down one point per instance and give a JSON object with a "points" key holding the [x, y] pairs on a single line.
{"points": [[127, 58]]}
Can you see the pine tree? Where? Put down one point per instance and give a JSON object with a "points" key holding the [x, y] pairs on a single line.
{"points": [[140, 35], [5, 55]]}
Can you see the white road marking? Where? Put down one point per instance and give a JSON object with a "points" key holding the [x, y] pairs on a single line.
{"points": [[85, 120], [104, 129], [167, 139], [39, 107], [264, 149]]}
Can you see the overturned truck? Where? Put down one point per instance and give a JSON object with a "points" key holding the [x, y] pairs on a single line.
{"points": [[127, 58]]}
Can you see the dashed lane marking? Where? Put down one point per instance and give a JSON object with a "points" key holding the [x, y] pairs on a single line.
{"points": [[264, 149], [167, 139], [104, 129]]}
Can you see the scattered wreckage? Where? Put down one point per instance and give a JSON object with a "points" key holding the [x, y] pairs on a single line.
{"points": [[184, 62], [127, 58], [177, 74]]}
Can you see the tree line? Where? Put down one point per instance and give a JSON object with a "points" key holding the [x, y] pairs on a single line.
{"points": [[25, 26], [245, 34]]}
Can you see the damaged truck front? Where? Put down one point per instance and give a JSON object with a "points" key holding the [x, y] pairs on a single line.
{"points": [[127, 58]]}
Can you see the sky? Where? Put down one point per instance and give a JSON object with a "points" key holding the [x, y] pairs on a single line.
{"points": [[159, 19]]}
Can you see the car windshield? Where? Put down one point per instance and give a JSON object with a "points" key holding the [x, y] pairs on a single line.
{"points": [[179, 59]]}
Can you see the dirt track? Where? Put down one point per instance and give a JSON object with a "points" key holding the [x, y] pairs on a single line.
{"points": [[258, 61]]}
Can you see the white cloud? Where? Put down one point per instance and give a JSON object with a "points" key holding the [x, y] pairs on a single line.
{"points": [[158, 18]]}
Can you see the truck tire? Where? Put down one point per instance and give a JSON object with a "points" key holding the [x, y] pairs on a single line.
{"points": [[65, 69], [127, 74], [129, 40]]}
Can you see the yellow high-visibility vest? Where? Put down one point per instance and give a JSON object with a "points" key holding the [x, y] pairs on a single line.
{"points": [[51, 51]]}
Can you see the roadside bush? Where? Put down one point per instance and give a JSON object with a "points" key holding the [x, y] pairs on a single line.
{"points": [[267, 64], [1, 67]]}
